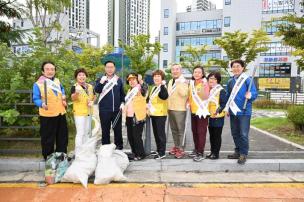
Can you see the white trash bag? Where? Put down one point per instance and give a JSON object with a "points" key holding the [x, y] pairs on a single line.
{"points": [[111, 165], [85, 162]]}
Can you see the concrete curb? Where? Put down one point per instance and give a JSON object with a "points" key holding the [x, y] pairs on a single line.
{"points": [[278, 138], [176, 165]]}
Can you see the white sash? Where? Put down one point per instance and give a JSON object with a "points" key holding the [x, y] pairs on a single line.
{"points": [[50, 84], [230, 103], [202, 105], [131, 94], [109, 86], [214, 91], [179, 80], [154, 94]]}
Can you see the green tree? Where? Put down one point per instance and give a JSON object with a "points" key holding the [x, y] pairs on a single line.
{"points": [[91, 56], [8, 34], [239, 45], [20, 72], [141, 53], [293, 35], [192, 57], [46, 14]]}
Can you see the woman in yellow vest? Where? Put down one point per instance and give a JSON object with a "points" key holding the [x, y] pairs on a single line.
{"points": [[217, 103], [158, 110], [83, 97], [198, 121], [135, 103]]}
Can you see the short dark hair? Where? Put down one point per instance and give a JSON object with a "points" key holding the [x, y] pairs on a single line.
{"points": [[80, 70], [109, 61], [159, 72], [199, 67], [217, 75], [45, 63], [241, 62]]}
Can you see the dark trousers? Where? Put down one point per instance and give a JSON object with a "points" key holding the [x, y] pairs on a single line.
{"points": [[199, 130], [215, 139], [134, 132], [53, 129], [106, 119], [158, 124]]}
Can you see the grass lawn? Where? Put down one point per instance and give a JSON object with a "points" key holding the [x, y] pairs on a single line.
{"points": [[281, 127]]}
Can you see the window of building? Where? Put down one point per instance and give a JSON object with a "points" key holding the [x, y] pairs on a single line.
{"points": [[165, 47], [277, 49], [275, 70], [227, 2], [277, 6], [165, 63], [206, 57], [166, 13], [199, 25], [226, 21], [271, 27], [211, 55], [195, 41], [166, 30]]}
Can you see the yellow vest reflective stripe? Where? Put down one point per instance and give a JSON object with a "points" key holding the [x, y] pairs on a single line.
{"points": [[160, 106], [80, 105], [54, 103]]}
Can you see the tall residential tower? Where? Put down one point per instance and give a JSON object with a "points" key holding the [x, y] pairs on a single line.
{"points": [[127, 18]]}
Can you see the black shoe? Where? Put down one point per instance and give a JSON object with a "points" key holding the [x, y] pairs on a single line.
{"points": [[199, 157], [153, 153], [119, 147], [242, 159], [209, 155], [192, 154], [233, 156], [138, 158], [213, 157], [158, 157], [131, 158]]}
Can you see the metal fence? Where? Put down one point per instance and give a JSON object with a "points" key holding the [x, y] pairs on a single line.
{"points": [[24, 106], [283, 96]]}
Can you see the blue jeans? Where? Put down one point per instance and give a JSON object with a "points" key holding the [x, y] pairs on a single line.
{"points": [[240, 126]]}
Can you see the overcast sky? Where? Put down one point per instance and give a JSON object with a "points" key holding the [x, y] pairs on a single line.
{"points": [[98, 21]]}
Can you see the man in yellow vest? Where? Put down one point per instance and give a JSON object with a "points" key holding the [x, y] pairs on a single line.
{"points": [[49, 96], [178, 95]]}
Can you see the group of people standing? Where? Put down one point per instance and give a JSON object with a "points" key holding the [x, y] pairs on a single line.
{"points": [[208, 101]]}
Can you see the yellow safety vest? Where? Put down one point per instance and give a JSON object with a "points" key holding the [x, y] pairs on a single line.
{"points": [[54, 102], [200, 91], [80, 105], [160, 106], [212, 108]]}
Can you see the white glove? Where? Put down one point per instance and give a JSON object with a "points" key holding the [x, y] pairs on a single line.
{"points": [[187, 105], [103, 79], [122, 106], [90, 103], [163, 82]]}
